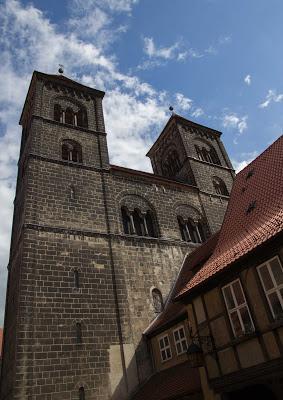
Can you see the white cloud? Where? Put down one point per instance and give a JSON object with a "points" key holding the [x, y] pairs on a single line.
{"points": [[184, 103], [270, 97], [152, 51], [134, 110], [248, 79], [113, 5], [224, 40], [197, 112], [232, 120], [244, 160]]}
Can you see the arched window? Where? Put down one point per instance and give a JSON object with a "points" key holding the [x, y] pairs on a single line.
{"points": [[57, 113], [171, 163], [79, 337], [71, 151], [149, 224], [126, 219], [138, 223], [220, 187], [81, 393], [157, 300], [82, 118], [76, 279], [191, 231], [207, 154], [69, 116]]}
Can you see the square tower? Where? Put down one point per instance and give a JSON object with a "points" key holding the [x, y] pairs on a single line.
{"points": [[194, 154]]}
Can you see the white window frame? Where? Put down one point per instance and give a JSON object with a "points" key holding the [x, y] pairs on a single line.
{"points": [[276, 289], [163, 349], [180, 340], [237, 308]]}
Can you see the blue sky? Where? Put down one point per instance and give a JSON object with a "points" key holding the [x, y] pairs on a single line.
{"points": [[218, 62]]}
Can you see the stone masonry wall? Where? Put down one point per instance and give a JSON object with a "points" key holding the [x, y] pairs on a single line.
{"points": [[72, 222]]}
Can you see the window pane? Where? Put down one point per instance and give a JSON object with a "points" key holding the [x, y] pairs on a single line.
{"points": [[238, 293], [184, 345], [176, 335], [163, 355], [248, 326], [166, 342], [229, 298], [168, 353], [236, 323], [181, 333], [277, 271], [275, 304], [265, 276], [179, 348]]}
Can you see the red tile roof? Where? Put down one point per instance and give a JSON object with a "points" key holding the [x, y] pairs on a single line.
{"points": [[170, 383], [173, 310], [254, 214]]}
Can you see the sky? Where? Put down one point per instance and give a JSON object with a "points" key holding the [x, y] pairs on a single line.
{"points": [[217, 62]]}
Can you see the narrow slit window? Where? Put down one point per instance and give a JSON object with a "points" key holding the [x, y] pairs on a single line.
{"points": [[76, 279], [157, 300], [81, 393], [79, 332]]}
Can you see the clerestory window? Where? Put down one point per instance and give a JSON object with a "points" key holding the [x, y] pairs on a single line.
{"points": [[138, 223], [191, 231]]}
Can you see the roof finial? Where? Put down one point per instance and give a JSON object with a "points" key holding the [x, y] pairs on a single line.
{"points": [[171, 108], [61, 69]]}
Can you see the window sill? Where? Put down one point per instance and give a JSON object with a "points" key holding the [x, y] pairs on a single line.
{"points": [[165, 361], [276, 324], [244, 337], [72, 162]]}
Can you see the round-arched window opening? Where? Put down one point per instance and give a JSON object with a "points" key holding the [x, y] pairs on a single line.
{"points": [[71, 151], [220, 187], [81, 393], [157, 300]]}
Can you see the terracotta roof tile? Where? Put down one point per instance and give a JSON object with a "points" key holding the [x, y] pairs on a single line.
{"points": [[170, 384], [260, 183]]}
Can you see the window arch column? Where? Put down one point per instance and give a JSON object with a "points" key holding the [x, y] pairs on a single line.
{"points": [[137, 222]]}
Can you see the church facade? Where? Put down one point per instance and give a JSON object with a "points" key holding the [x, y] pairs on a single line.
{"points": [[96, 247]]}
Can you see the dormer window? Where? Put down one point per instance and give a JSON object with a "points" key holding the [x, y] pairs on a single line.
{"points": [[71, 151]]}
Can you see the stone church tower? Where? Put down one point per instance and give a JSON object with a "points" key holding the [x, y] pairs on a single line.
{"points": [[96, 247]]}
